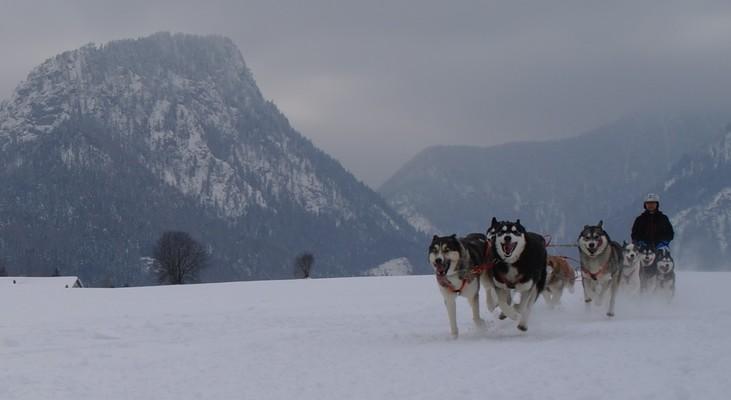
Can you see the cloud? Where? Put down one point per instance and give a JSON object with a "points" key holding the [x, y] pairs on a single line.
{"points": [[371, 81]]}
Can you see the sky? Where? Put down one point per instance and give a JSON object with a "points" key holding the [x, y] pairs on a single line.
{"points": [[375, 82]]}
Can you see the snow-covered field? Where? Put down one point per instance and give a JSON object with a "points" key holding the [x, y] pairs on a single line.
{"points": [[358, 338]]}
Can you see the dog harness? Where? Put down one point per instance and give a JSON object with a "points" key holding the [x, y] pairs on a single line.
{"points": [[595, 275], [445, 283], [511, 285], [471, 274]]}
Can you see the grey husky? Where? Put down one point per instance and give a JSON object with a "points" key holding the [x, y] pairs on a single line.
{"points": [[665, 279], [601, 265]]}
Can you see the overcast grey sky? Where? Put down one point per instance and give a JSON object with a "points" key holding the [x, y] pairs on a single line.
{"points": [[374, 82]]}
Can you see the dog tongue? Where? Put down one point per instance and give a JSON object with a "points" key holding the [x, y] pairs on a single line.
{"points": [[441, 268], [509, 247]]}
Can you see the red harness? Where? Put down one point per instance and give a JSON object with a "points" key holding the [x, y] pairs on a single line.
{"points": [[598, 274], [473, 273]]}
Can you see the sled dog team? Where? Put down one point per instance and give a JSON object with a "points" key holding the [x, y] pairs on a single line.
{"points": [[509, 260]]}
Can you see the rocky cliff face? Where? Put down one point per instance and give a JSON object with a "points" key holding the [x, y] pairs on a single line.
{"points": [[104, 147]]}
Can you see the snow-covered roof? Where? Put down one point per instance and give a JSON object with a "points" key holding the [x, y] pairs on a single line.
{"points": [[51, 281], [395, 267]]}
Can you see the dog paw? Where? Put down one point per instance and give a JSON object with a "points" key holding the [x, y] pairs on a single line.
{"points": [[523, 328], [454, 335], [480, 322], [502, 316]]}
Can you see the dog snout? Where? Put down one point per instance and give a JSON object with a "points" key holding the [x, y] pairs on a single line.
{"points": [[507, 239], [592, 245], [439, 260]]}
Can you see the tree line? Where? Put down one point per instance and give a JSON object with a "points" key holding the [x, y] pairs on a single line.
{"points": [[179, 259]]}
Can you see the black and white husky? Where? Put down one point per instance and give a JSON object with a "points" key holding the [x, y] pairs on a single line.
{"points": [[630, 285], [600, 259], [455, 262], [648, 269], [519, 265], [665, 278]]}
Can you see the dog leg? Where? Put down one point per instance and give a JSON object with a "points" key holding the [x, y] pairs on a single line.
{"points": [[451, 304], [490, 295], [502, 315], [526, 303], [613, 293], [504, 302], [557, 297], [587, 293], [475, 304], [547, 297], [602, 293]]}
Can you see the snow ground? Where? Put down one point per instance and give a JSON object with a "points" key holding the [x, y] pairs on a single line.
{"points": [[354, 338]]}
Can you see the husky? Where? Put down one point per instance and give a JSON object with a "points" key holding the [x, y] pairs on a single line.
{"points": [[559, 276], [665, 279], [648, 269], [600, 259], [519, 265], [630, 278], [455, 262]]}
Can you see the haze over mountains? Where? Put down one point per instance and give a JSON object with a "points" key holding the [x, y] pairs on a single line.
{"points": [[556, 187], [105, 147], [701, 185]]}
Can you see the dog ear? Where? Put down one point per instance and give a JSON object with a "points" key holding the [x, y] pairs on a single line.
{"points": [[435, 238], [517, 222], [601, 223], [493, 222], [453, 236], [624, 243]]}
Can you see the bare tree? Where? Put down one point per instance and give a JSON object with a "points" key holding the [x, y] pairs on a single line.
{"points": [[178, 258], [303, 265]]}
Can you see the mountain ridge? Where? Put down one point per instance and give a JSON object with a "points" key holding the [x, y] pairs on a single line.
{"points": [[181, 117], [556, 186]]}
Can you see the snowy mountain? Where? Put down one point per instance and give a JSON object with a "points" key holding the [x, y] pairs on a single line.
{"points": [[104, 147], [701, 186], [555, 187], [356, 338]]}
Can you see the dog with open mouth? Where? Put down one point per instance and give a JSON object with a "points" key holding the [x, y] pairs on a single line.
{"points": [[665, 278], [519, 266], [600, 259], [457, 266]]}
